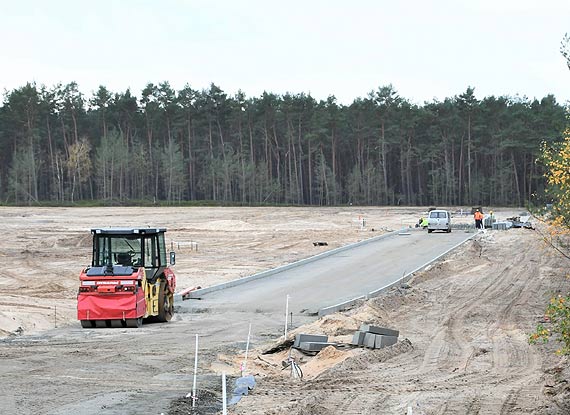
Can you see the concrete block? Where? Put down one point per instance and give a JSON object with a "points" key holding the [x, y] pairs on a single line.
{"points": [[358, 338], [500, 226], [299, 338], [384, 341], [314, 346], [488, 221], [379, 330], [370, 340]]}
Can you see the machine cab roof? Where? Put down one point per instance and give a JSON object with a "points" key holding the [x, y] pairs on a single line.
{"points": [[118, 251]]}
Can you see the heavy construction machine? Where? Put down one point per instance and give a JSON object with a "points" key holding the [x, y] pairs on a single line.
{"points": [[129, 279]]}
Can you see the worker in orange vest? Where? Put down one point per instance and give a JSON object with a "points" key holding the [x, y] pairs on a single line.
{"points": [[478, 219]]}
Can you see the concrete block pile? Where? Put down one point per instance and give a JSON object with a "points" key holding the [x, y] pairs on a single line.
{"points": [[369, 336], [311, 342], [374, 337], [502, 226]]}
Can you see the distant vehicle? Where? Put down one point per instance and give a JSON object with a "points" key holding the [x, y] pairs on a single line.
{"points": [[439, 220]]}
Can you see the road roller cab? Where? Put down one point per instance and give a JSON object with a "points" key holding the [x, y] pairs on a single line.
{"points": [[129, 279]]}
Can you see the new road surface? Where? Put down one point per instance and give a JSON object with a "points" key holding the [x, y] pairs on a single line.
{"points": [[314, 286]]}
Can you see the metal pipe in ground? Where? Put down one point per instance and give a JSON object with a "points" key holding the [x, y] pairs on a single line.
{"points": [[195, 370], [224, 398], [244, 364], [193, 394], [286, 315]]}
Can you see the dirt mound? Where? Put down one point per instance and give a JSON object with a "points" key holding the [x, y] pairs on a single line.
{"points": [[325, 359], [367, 357], [331, 325]]}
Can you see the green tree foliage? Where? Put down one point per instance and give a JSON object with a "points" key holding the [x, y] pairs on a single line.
{"points": [[556, 158], [78, 165], [110, 161], [21, 177], [172, 172], [558, 316], [59, 146]]}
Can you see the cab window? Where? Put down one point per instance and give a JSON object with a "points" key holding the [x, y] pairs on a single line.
{"points": [[162, 249], [117, 250], [149, 250]]}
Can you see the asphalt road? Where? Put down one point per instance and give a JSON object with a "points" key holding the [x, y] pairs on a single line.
{"points": [[334, 279], [222, 317], [78, 371]]}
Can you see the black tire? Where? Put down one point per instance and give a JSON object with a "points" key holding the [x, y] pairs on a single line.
{"points": [[165, 303], [87, 324], [430, 230], [134, 323], [117, 324]]}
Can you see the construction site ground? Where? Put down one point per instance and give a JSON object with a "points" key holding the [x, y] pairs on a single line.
{"points": [[464, 322]]}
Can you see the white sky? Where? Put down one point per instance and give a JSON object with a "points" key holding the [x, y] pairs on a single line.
{"points": [[425, 49]]}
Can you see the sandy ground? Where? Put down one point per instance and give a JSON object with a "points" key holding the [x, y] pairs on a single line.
{"points": [[463, 346], [44, 249], [463, 324]]}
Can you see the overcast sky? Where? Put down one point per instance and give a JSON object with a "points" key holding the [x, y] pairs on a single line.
{"points": [[425, 49]]}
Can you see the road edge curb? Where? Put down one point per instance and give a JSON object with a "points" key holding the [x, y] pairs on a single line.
{"points": [[349, 303], [197, 293]]}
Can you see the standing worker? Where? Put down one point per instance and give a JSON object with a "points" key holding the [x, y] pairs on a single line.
{"points": [[478, 216]]}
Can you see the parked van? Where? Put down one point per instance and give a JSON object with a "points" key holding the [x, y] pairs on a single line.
{"points": [[439, 220]]}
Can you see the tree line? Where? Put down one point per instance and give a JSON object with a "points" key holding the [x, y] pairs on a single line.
{"points": [[59, 146]]}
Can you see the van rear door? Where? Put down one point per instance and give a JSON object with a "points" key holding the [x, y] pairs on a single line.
{"points": [[439, 220]]}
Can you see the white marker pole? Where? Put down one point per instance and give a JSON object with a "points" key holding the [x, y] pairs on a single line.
{"points": [[286, 315], [195, 370], [244, 364], [224, 399]]}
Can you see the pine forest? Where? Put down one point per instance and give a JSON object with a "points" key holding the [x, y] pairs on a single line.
{"points": [[58, 146]]}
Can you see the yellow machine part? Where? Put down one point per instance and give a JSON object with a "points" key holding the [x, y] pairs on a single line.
{"points": [[151, 292], [151, 297]]}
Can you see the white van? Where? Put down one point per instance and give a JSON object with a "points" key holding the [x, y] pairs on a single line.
{"points": [[439, 220]]}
